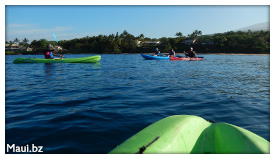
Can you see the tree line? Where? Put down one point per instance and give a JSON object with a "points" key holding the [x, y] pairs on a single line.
{"points": [[229, 42]]}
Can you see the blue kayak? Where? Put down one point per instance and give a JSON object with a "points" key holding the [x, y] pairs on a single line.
{"points": [[150, 57]]}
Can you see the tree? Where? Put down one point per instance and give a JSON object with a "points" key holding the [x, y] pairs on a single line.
{"points": [[117, 44], [220, 39], [179, 34], [16, 40], [124, 34], [165, 44], [249, 32], [34, 44], [42, 44], [128, 42], [195, 34], [25, 41], [141, 36], [234, 42]]}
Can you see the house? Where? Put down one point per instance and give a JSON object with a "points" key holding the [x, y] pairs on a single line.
{"points": [[189, 41], [209, 42], [12, 47], [7, 46], [29, 49], [147, 43], [139, 43], [58, 48], [151, 43], [16, 47]]}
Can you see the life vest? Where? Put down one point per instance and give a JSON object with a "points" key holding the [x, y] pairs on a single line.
{"points": [[47, 54], [191, 54], [171, 53]]}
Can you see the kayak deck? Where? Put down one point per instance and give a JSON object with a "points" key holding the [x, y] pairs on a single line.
{"points": [[151, 57], [90, 59], [187, 58], [184, 134]]}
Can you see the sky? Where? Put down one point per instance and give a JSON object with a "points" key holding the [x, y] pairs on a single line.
{"points": [[36, 22]]}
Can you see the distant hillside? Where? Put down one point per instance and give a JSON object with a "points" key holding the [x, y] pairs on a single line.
{"points": [[257, 27]]}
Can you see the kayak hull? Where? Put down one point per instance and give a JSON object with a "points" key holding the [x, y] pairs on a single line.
{"points": [[187, 134], [90, 59], [150, 57], [187, 58]]}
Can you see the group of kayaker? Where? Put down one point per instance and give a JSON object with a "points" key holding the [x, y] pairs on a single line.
{"points": [[50, 52], [190, 53]]}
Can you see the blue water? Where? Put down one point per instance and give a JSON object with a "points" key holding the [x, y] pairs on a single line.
{"points": [[92, 108]]}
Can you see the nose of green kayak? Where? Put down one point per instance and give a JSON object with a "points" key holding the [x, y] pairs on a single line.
{"points": [[183, 134]]}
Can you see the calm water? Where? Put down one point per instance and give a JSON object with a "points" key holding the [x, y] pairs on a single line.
{"points": [[92, 108]]}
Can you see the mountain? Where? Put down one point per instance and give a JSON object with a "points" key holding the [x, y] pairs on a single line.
{"points": [[257, 27]]}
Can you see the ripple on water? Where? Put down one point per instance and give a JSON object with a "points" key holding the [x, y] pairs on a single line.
{"points": [[91, 108]]}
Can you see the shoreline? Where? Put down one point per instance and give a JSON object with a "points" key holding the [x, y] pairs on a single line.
{"points": [[153, 53], [220, 53]]}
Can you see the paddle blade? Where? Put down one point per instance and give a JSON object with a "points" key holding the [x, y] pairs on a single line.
{"points": [[55, 38]]}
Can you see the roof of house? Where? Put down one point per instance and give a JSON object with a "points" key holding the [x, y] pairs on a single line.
{"points": [[152, 42]]}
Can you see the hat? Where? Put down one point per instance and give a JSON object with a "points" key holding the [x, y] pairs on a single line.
{"points": [[191, 48], [50, 46], [157, 49]]}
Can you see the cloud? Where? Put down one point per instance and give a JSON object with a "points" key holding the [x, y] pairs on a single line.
{"points": [[16, 29], [19, 25], [34, 32]]}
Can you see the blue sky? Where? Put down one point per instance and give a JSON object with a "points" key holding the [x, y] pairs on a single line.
{"points": [[68, 22]]}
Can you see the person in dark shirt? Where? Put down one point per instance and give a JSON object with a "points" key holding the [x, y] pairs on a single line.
{"points": [[157, 53], [191, 53], [172, 53]]}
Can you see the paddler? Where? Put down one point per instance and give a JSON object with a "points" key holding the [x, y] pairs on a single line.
{"points": [[157, 53], [172, 53], [49, 52], [191, 53]]}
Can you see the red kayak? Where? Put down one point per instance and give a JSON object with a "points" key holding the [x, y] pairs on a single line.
{"points": [[186, 58]]}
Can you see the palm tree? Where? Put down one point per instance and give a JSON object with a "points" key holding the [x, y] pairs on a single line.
{"points": [[16, 40], [34, 44], [25, 41], [141, 36], [195, 34], [179, 34]]}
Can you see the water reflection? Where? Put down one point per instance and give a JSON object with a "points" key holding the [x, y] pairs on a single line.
{"points": [[47, 68], [53, 71]]}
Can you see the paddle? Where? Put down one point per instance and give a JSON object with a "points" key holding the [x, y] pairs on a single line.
{"points": [[55, 38], [57, 44]]}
